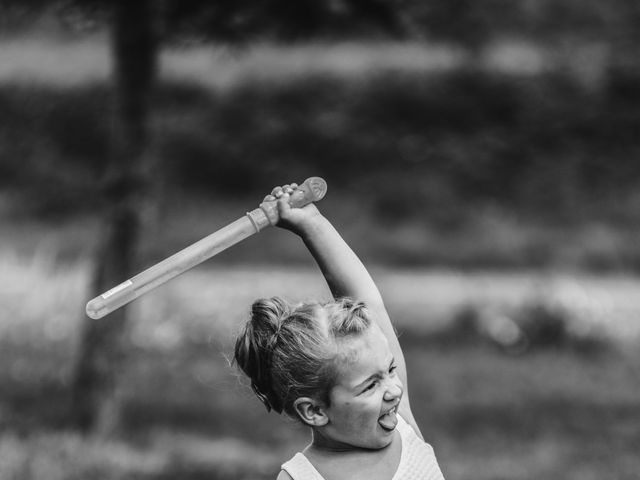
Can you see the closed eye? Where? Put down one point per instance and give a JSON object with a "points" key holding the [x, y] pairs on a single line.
{"points": [[370, 386]]}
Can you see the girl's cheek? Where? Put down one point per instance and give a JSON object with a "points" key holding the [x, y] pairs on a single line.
{"points": [[372, 406]]}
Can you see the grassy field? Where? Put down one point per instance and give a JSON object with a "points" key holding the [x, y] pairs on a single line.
{"points": [[548, 412]]}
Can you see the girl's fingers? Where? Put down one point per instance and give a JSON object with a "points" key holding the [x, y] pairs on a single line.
{"points": [[277, 192], [269, 198], [283, 205]]}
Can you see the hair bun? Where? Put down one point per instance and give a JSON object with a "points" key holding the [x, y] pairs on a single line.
{"points": [[254, 347], [269, 313]]}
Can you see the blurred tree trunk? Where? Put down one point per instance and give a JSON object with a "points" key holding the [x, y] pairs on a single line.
{"points": [[95, 399]]}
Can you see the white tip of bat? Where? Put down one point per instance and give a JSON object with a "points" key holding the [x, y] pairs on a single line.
{"points": [[96, 308]]}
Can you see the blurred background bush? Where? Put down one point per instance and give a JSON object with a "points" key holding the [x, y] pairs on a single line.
{"points": [[515, 118]]}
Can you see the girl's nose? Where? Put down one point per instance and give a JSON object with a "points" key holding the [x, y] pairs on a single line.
{"points": [[393, 391]]}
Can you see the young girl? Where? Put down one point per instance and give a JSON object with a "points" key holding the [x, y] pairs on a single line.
{"points": [[336, 367]]}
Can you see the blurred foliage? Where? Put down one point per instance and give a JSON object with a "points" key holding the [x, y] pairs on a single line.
{"points": [[409, 144], [531, 327], [473, 23], [525, 167], [278, 19], [460, 21], [224, 20]]}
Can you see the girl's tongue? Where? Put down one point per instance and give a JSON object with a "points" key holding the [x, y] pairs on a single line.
{"points": [[388, 421]]}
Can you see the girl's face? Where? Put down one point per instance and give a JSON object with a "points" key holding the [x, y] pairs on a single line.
{"points": [[365, 398]]}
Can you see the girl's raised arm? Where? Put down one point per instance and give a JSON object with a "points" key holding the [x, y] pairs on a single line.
{"points": [[344, 272]]}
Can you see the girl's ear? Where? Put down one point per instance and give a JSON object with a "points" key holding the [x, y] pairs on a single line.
{"points": [[310, 411]]}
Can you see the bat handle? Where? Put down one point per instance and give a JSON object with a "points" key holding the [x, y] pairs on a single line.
{"points": [[311, 190]]}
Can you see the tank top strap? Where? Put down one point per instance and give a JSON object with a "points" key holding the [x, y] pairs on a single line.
{"points": [[300, 468], [418, 461], [403, 427]]}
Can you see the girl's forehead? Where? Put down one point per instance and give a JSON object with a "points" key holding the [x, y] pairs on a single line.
{"points": [[358, 354]]}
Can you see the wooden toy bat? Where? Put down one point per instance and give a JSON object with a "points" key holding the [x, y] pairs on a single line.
{"points": [[312, 190]]}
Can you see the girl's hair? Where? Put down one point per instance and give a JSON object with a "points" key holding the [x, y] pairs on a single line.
{"points": [[288, 351]]}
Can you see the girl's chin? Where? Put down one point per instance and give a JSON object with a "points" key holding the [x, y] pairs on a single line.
{"points": [[385, 441], [381, 439], [380, 436]]}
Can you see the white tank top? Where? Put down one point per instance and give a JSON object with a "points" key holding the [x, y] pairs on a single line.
{"points": [[417, 460]]}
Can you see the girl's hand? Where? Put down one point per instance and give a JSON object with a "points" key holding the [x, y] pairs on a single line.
{"points": [[293, 219]]}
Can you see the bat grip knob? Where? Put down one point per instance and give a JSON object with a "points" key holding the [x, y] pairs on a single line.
{"points": [[311, 190]]}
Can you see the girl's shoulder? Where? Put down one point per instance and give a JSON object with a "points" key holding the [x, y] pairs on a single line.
{"points": [[299, 467], [418, 457], [283, 475]]}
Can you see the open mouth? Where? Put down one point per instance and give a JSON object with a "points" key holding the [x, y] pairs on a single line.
{"points": [[389, 420]]}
